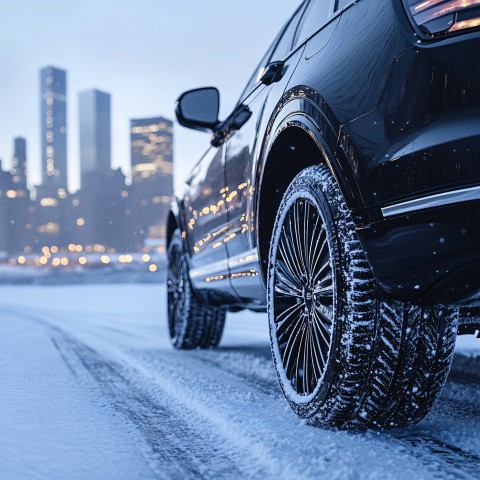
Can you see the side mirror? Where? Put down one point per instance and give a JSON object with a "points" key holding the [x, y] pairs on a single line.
{"points": [[198, 109]]}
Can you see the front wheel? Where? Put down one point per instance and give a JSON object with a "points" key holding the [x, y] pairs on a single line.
{"points": [[345, 353], [191, 322]]}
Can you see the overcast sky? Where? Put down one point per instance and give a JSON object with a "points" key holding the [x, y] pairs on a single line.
{"points": [[143, 53]]}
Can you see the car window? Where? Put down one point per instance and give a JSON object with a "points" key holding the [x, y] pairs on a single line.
{"points": [[285, 37], [339, 4], [285, 44], [254, 79], [315, 17]]}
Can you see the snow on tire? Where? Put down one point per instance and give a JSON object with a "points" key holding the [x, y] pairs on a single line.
{"points": [[346, 354], [191, 323]]}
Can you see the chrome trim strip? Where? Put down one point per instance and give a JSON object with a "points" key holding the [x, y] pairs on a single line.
{"points": [[438, 200], [223, 265]]}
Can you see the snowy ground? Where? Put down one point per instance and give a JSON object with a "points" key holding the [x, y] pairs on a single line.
{"points": [[90, 388]]}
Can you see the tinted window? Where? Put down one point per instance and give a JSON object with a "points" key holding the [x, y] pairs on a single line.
{"points": [[339, 4], [254, 79], [285, 44], [315, 17]]}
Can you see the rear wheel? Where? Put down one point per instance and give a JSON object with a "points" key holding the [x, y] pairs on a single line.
{"points": [[345, 353], [191, 322]]}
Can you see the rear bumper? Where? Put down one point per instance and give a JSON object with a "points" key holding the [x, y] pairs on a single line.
{"points": [[428, 254]]}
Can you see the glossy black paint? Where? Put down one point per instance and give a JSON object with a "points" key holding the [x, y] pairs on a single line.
{"points": [[395, 117]]}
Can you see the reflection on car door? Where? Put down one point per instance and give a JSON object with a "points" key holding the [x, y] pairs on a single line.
{"points": [[206, 221], [240, 166]]}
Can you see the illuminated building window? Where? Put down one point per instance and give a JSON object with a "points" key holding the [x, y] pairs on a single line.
{"points": [[49, 227], [48, 202]]}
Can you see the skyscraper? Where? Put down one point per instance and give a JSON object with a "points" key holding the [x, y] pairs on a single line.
{"points": [[19, 162], [152, 176], [53, 88], [95, 134], [152, 150]]}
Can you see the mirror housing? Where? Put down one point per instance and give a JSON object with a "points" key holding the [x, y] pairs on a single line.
{"points": [[198, 109]]}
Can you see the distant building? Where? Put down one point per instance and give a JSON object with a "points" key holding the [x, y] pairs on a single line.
{"points": [[53, 90], [19, 162], [95, 134], [152, 177], [14, 226]]}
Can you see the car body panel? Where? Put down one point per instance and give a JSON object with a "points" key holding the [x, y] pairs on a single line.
{"points": [[395, 117]]}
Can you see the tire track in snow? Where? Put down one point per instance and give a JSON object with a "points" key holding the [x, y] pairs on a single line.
{"points": [[176, 450], [446, 460], [253, 380]]}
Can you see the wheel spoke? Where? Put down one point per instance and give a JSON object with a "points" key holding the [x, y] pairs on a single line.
{"points": [[288, 256], [289, 346], [285, 284], [296, 250]]}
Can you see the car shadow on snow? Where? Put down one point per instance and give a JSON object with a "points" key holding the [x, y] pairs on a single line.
{"points": [[262, 351]]}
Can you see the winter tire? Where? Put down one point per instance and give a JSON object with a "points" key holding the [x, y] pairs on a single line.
{"points": [[346, 354], [191, 323]]}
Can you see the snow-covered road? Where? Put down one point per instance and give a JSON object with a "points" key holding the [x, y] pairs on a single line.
{"points": [[90, 388]]}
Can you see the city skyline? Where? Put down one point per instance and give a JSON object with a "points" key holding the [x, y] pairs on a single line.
{"points": [[144, 61]]}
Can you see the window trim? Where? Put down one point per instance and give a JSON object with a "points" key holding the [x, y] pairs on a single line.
{"points": [[331, 16], [335, 9]]}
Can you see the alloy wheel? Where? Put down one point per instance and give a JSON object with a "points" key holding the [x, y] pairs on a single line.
{"points": [[304, 296]]}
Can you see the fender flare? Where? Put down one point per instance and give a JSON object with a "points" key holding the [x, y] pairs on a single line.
{"points": [[303, 107]]}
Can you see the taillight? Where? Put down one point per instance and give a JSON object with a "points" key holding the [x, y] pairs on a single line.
{"points": [[436, 17]]}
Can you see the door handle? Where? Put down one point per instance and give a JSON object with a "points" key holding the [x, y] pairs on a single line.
{"points": [[273, 73]]}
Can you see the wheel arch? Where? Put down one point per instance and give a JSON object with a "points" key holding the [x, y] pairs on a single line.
{"points": [[303, 132], [297, 145]]}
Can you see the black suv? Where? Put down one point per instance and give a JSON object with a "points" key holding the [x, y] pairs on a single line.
{"points": [[342, 196]]}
